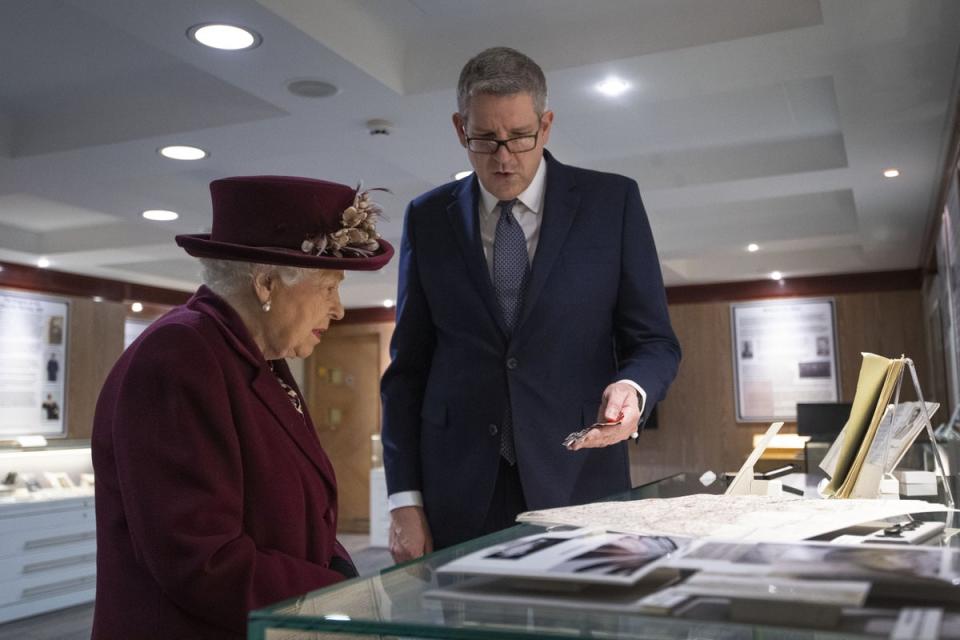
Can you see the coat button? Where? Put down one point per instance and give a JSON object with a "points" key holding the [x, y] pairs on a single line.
{"points": [[512, 363], [493, 429]]}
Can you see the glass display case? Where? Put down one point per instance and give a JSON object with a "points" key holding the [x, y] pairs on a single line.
{"points": [[48, 545], [393, 603]]}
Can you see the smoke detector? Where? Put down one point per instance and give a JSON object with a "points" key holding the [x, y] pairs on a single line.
{"points": [[379, 127]]}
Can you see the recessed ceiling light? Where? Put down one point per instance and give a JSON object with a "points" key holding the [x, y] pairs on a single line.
{"points": [[160, 215], [136, 307], [753, 246], [43, 263], [612, 87], [312, 88], [388, 303], [224, 36], [460, 175], [891, 173], [182, 152], [776, 275]]}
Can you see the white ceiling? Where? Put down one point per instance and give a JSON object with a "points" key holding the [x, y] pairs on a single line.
{"points": [[766, 121]]}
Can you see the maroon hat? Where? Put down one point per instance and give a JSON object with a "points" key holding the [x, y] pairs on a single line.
{"points": [[296, 222]]}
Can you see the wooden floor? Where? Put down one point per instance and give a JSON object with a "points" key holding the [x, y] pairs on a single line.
{"points": [[75, 623]]}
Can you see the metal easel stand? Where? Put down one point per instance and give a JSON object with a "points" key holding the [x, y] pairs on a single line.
{"points": [[941, 468]]}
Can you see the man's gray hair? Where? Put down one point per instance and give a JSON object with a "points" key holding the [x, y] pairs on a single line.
{"points": [[501, 71], [227, 278]]}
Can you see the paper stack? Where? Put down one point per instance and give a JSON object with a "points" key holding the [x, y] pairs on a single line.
{"points": [[878, 433]]}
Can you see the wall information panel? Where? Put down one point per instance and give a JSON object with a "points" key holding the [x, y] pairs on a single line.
{"points": [[33, 357], [784, 352]]}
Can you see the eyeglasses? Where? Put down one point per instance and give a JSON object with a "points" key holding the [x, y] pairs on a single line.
{"points": [[518, 144]]}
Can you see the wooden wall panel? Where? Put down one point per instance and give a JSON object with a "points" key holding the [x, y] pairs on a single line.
{"points": [[95, 339], [697, 422], [879, 312], [358, 352], [890, 324]]}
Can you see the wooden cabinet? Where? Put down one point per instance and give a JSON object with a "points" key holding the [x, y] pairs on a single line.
{"points": [[342, 389]]}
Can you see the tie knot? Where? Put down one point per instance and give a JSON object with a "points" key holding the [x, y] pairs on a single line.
{"points": [[506, 210], [506, 206]]}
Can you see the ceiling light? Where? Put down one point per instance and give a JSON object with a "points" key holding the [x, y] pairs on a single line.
{"points": [[182, 152], [612, 87], [891, 173], [43, 263], [224, 36], [776, 275], [160, 215], [388, 303], [752, 247], [97, 299], [460, 175], [136, 307]]}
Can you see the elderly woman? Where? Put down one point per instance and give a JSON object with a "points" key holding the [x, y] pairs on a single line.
{"points": [[214, 496]]}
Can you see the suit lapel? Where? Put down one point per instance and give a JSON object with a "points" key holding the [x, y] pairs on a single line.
{"points": [[559, 209], [466, 224]]}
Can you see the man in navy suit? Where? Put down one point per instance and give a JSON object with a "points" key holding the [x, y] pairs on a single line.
{"points": [[530, 305]]}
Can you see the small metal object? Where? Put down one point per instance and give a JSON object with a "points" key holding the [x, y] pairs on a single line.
{"points": [[580, 435]]}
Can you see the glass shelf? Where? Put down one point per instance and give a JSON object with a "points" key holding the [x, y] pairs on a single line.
{"points": [[392, 603]]}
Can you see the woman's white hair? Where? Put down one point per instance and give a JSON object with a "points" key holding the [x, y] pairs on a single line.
{"points": [[227, 278]]}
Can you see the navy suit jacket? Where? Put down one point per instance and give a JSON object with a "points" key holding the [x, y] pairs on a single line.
{"points": [[594, 312]]}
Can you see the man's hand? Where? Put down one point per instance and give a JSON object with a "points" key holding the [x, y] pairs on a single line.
{"points": [[619, 399], [409, 534]]}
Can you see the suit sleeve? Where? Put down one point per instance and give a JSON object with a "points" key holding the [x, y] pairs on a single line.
{"points": [[179, 468], [647, 349], [403, 384]]}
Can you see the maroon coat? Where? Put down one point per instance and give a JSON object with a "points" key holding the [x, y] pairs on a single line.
{"points": [[214, 496]]}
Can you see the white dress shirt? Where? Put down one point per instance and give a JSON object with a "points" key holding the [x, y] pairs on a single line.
{"points": [[528, 212]]}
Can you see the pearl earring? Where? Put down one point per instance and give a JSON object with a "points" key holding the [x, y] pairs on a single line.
{"points": [[265, 306]]}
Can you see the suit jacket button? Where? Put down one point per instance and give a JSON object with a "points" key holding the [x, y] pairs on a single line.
{"points": [[493, 429], [512, 363]]}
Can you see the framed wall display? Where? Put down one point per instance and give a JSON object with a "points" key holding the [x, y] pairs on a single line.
{"points": [[945, 293], [33, 371], [784, 352], [950, 232]]}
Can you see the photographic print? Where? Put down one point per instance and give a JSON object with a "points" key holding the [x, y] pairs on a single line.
{"points": [[586, 556]]}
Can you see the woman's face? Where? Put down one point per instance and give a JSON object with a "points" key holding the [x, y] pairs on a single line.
{"points": [[300, 313]]}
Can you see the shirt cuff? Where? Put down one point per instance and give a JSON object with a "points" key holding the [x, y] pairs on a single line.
{"points": [[642, 398], [404, 499]]}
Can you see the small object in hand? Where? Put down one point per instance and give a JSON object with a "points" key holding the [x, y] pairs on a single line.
{"points": [[580, 435]]}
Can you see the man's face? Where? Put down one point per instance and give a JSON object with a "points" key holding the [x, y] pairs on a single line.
{"points": [[504, 174]]}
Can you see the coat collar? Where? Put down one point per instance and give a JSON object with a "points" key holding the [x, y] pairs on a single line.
{"points": [[263, 383]]}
